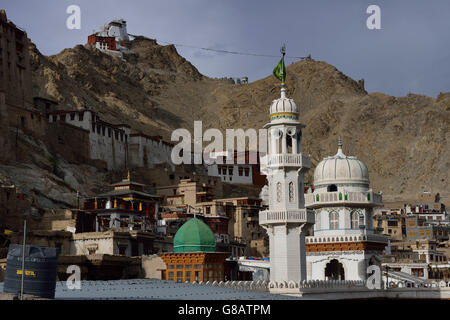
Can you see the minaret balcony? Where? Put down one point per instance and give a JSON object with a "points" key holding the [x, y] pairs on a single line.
{"points": [[369, 198], [286, 160], [296, 216]]}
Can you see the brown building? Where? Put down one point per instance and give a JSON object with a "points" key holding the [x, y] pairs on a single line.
{"points": [[16, 102]]}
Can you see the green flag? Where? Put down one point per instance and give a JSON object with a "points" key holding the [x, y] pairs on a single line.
{"points": [[280, 71]]}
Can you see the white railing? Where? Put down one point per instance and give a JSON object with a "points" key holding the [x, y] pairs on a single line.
{"points": [[286, 160], [316, 199], [347, 238], [286, 216]]}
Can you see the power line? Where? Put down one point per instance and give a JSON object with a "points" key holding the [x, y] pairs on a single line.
{"points": [[227, 51]]}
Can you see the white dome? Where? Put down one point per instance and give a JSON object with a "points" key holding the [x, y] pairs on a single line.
{"points": [[341, 169], [284, 109]]}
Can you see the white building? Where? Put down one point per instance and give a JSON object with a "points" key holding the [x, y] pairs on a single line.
{"points": [[344, 243], [115, 144], [286, 217], [216, 166]]}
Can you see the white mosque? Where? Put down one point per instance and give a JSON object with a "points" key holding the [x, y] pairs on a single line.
{"points": [[343, 243]]}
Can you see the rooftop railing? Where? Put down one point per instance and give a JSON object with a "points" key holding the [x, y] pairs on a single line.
{"points": [[343, 197]]}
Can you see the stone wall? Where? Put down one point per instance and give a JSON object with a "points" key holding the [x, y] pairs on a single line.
{"points": [[152, 266], [71, 142]]}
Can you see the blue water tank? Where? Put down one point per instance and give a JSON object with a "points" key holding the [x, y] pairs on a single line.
{"points": [[40, 270]]}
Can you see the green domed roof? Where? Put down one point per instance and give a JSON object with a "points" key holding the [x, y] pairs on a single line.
{"points": [[194, 236]]}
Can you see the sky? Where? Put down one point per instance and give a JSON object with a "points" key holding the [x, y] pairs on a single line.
{"points": [[409, 54]]}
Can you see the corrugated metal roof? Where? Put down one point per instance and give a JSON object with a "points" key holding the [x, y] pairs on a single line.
{"points": [[153, 289]]}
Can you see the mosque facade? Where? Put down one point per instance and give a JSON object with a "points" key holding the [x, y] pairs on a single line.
{"points": [[344, 243]]}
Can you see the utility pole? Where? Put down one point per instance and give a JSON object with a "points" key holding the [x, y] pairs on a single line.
{"points": [[23, 257]]}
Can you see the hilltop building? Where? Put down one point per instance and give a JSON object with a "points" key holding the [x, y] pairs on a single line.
{"points": [[344, 243], [108, 38], [114, 144]]}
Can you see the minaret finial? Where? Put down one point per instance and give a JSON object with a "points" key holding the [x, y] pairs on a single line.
{"points": [[280, 72], [128, 177]]}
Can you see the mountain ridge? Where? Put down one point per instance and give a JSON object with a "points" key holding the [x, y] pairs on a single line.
{"points": [[404, 141]]}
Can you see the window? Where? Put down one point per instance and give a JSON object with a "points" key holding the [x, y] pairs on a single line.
{"points": [[170, 277], [334, 222], [179, 276], [247, 171], [230, 171], [188, 276], [355, 220], [279, 191], [240, 170], [332, 188], [361, 220], [291, 192]]}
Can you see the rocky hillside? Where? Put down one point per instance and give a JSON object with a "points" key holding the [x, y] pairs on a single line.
{"points": [[405, 141]]}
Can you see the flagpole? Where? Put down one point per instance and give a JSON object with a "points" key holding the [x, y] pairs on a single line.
{"points": [[283, 85]]}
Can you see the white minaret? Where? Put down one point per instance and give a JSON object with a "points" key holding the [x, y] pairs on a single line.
{"points": [[285, 166]]}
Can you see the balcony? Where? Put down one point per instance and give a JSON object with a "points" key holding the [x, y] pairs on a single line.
{"points": [[370, 198], [348, 238], [299, 216], [285, 160]]}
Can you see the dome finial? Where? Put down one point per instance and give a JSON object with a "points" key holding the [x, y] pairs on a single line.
{"points": [[340, 153]]}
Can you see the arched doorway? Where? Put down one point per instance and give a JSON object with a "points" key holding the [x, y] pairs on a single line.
{"points": [[334, 270]]}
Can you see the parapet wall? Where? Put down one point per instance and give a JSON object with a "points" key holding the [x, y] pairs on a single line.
{"points": [[344, 289]]}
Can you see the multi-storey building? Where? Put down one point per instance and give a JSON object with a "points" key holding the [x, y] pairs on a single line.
{"points": [[16, 101], [114, 143], [243, 169]]}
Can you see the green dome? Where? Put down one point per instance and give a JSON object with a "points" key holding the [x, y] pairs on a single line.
{"points": [[194, 236]]}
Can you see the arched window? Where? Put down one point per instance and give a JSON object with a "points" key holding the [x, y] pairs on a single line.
{"points": [[361, 220], [332, 188], [288, 143], [334, 220], [291, 192], [355, 220], [279, 191]]}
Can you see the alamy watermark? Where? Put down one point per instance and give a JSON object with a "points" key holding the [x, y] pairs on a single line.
{"points": [[235, 140]]}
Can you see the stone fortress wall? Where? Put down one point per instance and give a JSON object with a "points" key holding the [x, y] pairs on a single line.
{"points": [[114, 144]]}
